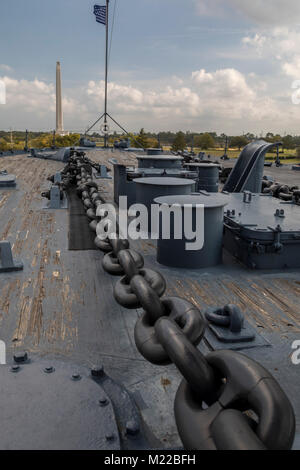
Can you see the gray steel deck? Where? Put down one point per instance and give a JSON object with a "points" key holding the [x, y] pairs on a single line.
{"points": [[61, 305]]}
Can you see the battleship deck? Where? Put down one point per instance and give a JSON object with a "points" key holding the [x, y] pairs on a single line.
{"points": [[61, 304]]}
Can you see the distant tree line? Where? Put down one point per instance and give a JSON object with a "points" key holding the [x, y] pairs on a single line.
{"points": [[176, 141], [17, 139], [204, 141]]}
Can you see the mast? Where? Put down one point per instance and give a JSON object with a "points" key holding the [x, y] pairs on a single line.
{"points": [[106, 78], [59, 113], [106, 115]]}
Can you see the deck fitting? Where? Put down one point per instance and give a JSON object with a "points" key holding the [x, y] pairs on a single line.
{"points": [[49, 370], [21, 357], [97, 371], [7, 263], [103, 401], [132, 428], [76, 376]]}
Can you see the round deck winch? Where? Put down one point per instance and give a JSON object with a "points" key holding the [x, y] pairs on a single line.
{"points": [[155, 151], [207, 223], [147, 189], [159, 161], [208, 176], [166, 172]]}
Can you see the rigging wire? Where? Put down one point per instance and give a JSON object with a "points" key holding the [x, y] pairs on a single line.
{"points": [[112, 29]]}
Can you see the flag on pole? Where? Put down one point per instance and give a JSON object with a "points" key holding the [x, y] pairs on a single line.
{"points": [[100, 13]]}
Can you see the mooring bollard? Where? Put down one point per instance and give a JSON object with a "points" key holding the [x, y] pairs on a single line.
{"points": [[57, 198]]}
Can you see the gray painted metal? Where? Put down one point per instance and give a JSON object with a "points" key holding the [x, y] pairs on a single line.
{"points": [[163, 161], [223, 337], [103, 174], [54, 406], [134, 150], [208, 176], [55, 201], [150, 172], [7, 181], [61, 155], [7, 263], [123, 187], [83, 142], [147, 189], [11, 153], [124, 184], [57, 178], [263, 232], [157, 151], [249, 169], [211, 253]]}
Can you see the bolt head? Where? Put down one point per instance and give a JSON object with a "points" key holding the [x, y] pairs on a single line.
{"points": [[132, 428], [109, 436], [49, 369], [97, 371], [21, 356], [15, 368], [103, 401], [76, 376]]}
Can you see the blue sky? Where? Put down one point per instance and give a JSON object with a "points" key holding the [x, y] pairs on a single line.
{"points": [[151, 38], [194, 65]]}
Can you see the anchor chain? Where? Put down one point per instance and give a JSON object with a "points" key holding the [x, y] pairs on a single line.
{"points": [[225, 400]]}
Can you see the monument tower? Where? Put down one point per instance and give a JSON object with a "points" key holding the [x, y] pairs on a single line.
{"points": [[59, 112]]}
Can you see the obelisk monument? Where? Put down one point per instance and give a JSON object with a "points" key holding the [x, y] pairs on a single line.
{"points": [[59, 113]]}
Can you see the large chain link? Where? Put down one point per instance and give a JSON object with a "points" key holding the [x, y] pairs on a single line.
{"points": [[225, 400]]}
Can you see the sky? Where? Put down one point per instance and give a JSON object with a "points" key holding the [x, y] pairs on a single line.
{"points": [[200, 65]]}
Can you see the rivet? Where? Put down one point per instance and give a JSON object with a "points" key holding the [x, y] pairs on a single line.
{"points": [[97, 371], [109, 436], [21, 356], [49, 369], [132, 428], [76, 376], [15, 368], [103, 401]]}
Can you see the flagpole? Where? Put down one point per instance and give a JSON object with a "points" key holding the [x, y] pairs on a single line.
{"points": [[106, 78], [99, 18]]}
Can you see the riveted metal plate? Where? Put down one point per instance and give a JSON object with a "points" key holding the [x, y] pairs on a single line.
{"points": [[55, 410]]}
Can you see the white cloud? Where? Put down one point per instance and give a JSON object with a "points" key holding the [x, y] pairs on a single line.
{"points": [[164, 102], [219, 100], [33, 103], [30, 96], [280, 45], [225, 88], [224, 100], [257, 41], [292, 69]]}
